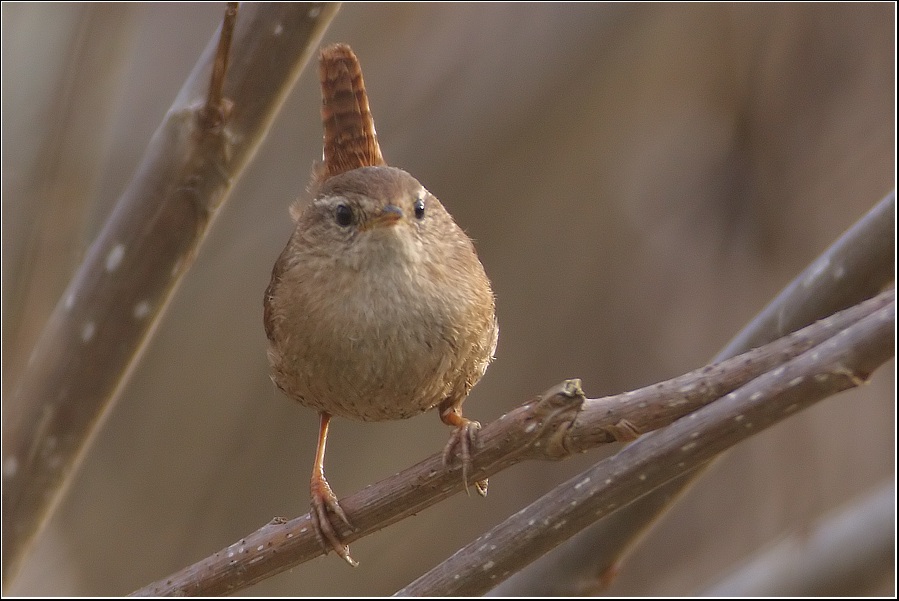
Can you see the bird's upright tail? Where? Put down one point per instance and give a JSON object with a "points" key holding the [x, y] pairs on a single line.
{"points": [[350, 140]]}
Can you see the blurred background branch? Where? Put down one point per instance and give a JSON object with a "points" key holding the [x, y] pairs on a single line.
{"points": [[105, 316], [846, 551]]}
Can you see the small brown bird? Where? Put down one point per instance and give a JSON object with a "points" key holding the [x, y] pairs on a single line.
{"points": [[378, 308]]}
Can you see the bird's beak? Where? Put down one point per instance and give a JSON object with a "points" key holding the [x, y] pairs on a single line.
{"points": [[389, 215]]}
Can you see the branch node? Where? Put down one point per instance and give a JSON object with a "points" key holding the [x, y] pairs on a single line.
{"points": [[552, 415]]}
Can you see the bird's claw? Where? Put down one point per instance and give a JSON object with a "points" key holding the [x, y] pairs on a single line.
{"points": [[465, 437], [324, 504]]}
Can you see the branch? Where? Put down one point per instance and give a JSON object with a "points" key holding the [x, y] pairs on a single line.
{"points": [[555, 425], [61, 181], [844, 361], [858, 265], [108, 312], [847, 551]]}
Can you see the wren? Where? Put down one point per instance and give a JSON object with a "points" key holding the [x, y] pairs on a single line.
{"points": [[378, 308]]}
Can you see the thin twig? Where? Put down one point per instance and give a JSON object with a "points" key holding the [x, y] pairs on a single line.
{"points": [[855, 267], [109, 310], [844, 361], [217, 106], [554, 425]]}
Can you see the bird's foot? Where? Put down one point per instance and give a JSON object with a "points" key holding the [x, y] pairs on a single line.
{"points": [[465, 437], [324, 506]]}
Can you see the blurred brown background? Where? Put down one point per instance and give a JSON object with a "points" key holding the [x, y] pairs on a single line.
{"points": [[639, 180]]}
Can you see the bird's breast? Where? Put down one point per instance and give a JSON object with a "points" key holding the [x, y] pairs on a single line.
{"points": [[371, 344]]}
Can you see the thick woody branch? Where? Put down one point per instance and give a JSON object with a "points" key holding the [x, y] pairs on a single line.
{"points": [[110, 308], [844, 361], [552, 426], [60, 183]]}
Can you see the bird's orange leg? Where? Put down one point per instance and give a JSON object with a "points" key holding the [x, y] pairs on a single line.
{"points": [[324, 499]]}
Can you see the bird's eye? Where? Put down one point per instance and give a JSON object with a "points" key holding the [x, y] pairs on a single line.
{"points": [[343, 215], [419, 209]]}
